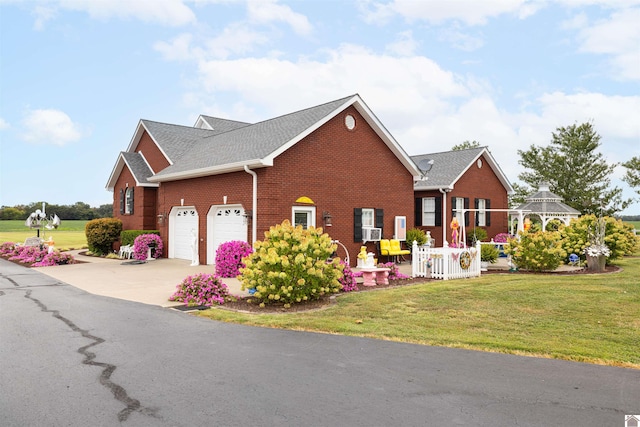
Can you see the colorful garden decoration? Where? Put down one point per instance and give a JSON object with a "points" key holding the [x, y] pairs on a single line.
{"points": [[455, 237]]}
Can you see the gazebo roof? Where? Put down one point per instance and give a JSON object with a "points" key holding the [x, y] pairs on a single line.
{"points": [[546, 203]]}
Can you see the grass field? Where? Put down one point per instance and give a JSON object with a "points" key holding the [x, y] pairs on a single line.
{"points": [[590, 318], [70, 234]]}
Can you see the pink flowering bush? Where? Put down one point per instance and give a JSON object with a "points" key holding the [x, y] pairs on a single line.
{"points": [[502, 238], [28, 254], [55, 258], [348, 280], [394, 273], [144, 242], [200, 290], [229, 257], [35, 256], [8, 249]]}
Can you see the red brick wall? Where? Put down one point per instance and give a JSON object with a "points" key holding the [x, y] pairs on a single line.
{"points": [[476, 183], [150, 151], [138, 220]]}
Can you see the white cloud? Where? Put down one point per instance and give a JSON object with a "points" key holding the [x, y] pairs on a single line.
{"points": [[470, 12], [165, 12], [4, 124], [237, 38], [49, 127], [405, 45], [617, 36], [267, 11]]}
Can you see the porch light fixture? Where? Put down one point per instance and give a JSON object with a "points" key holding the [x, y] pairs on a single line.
{"points": [[161, 218], [248, 214], [326, 217]]}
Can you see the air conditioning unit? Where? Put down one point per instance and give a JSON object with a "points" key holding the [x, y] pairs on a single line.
{"points": [[371, 234]]}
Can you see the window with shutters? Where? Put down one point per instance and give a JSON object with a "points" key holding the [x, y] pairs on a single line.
{"points": [[128, 204], [481, 219], [429, 211], [368, 216]]}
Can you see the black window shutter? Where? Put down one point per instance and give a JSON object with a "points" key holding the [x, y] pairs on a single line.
{"points": [[121, 201], [487, 214], [453, 207], [418, 212], [357, 225], [380, 219], [466, 214], [438, 211], [131, 201], [476, 204]]}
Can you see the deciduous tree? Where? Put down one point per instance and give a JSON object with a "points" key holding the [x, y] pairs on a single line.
{"points": [[575, 170]]}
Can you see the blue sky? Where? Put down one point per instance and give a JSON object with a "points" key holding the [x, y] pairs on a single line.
{"points": [[76, 76]]}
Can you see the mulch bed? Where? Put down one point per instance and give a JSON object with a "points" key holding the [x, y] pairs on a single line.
{"points": [[249, 304]]}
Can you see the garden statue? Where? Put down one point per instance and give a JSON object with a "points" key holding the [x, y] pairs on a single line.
{"points": [[454, 232], [194, 249]]}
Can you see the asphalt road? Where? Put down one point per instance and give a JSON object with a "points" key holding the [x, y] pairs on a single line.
{"points": [[69, 358]]}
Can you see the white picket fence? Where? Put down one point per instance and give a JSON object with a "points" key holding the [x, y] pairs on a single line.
{"points": [[445, 263]]}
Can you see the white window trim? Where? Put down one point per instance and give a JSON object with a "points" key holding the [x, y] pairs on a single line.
{"points": [[309, 210], [424, 212], [127, 200], [460, 206], [373, 217], [482, 213]]}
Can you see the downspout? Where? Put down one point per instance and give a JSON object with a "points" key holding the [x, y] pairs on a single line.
{"points": [[444, 215], [254, 205]]}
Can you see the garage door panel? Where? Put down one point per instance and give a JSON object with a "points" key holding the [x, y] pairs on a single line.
{"points": [[185, 221], [228, 224]]}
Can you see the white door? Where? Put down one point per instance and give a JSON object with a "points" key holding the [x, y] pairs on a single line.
{"points": [[225, 223], [182, 226]]}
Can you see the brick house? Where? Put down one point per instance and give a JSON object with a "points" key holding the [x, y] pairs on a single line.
{"points": [[222, 180], [468, 180]]}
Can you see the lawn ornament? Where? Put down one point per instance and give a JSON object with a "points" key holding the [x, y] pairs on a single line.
{"points": [[455, 238], [38, 219]]}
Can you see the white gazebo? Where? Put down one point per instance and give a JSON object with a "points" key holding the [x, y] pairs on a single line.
{"points": [[547, 206]]}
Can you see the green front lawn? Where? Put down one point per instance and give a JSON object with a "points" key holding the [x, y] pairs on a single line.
{"points": [[590, 318], [70, 234]]}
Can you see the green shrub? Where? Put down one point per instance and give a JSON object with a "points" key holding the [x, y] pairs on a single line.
{"points": [[128, 237], [536, 251], [477, 235], [290, 266], [101, 234], [619, 237], [416, 234], [489, 253]]}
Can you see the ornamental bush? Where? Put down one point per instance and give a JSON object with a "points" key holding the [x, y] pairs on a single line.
{"points": [[394, 272], [145, 241], [200, 290], [348, 279], [416, 234], [291, 266], [35, 256], [102, 233], [619, 237], [536, 251], [229, 257], [128, 237]]}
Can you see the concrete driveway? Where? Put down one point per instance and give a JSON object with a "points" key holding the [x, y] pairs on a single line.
{"points": [[152, 282]]}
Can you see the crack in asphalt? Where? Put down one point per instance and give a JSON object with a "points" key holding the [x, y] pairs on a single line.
{"points": [[118, 391]]}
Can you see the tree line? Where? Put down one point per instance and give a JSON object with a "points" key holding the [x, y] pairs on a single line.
{"points": [[78, 211]]}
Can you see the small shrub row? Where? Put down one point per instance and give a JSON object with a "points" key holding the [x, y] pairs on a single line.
{"points": [[35, 256]]}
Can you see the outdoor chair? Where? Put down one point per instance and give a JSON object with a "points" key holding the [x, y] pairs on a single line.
{"points": [[126, 251]]}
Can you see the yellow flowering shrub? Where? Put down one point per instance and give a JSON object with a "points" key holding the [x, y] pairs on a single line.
{"points": [[536, 251], [619, 236], [290, 266]]}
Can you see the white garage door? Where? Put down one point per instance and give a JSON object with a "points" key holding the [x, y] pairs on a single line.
{"points": [[227, 224], [184, 221]]}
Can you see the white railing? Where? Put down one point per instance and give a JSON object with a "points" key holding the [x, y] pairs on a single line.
{"points": [[445, 263]]}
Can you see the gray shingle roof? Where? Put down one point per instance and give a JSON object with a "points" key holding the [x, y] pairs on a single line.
{"points": [[205, 149], [447, 167], [223, 125], [545, 202], [138, 167], [175, 140]]}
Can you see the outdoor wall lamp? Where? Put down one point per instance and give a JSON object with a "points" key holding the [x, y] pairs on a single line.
{"points": [[326, 217], [161, 218]]}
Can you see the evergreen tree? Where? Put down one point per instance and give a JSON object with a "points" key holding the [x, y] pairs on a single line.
{"points": [[632, 176], [465, 145], [574, 170]]}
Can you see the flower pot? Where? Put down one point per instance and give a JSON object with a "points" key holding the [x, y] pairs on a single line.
{"points": [[596, 263], [484, 265]]}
